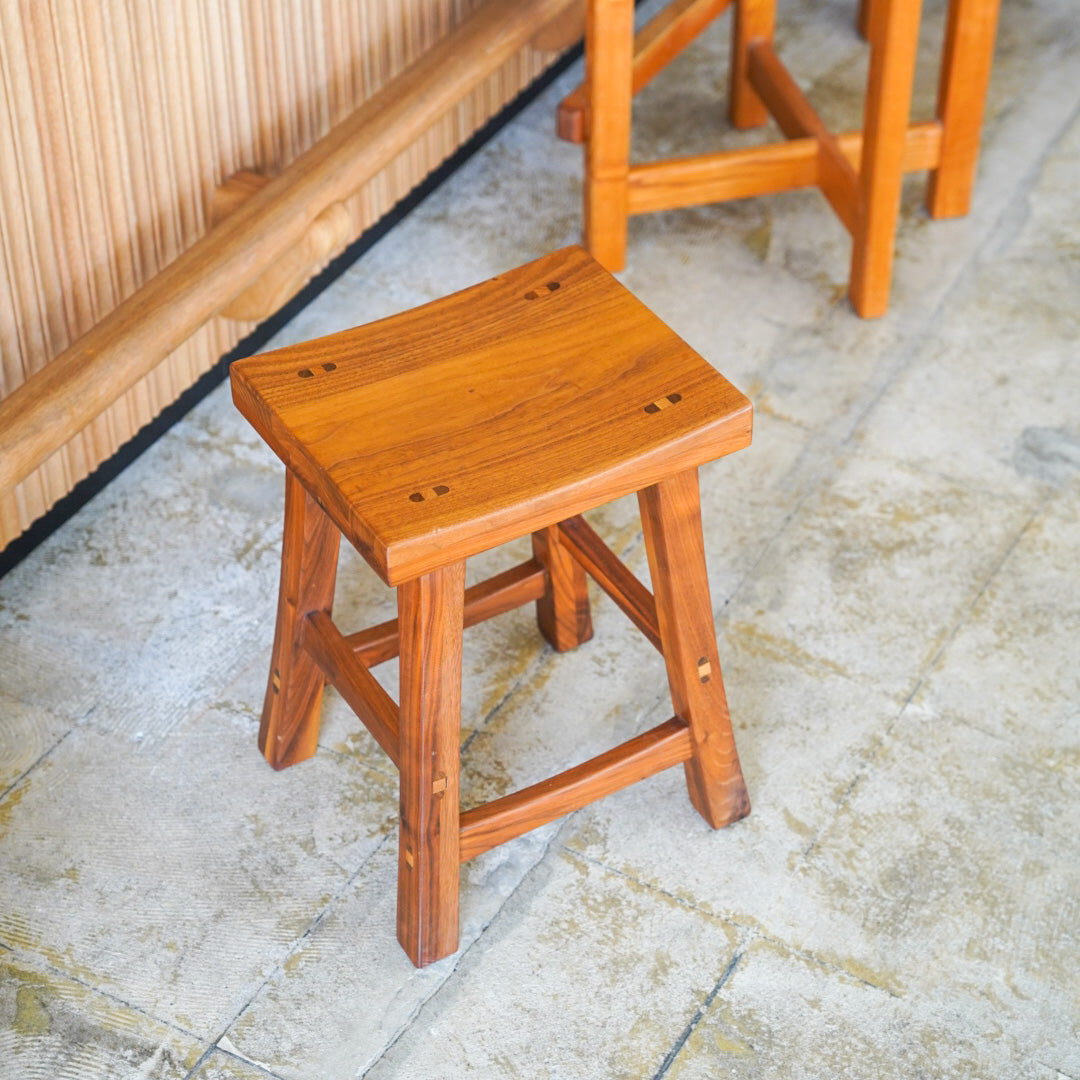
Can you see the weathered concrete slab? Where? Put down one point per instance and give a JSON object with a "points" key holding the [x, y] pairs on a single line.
{"points": [[176, 877], [53, 1026]]}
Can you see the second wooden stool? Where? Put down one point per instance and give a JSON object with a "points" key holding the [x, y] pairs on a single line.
{"points": [[506, 409], [859, 172]]}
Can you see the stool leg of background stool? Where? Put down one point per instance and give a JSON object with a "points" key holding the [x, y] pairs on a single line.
{"points": [[965, 76], [864, 18], [671, 518], [563, 611], [430, 614], [752, 20], [894, 38], [609, 48], [309, 552]]}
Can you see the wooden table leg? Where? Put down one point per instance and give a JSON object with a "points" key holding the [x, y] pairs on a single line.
{"points": [[289, 731], [562, 613], [881, 170], [609, 48], [752, 20], [430, 617], [671, 518], [965, 76]]}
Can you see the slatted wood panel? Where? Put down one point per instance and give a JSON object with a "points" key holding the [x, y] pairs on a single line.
{"points": [[118, 121]]}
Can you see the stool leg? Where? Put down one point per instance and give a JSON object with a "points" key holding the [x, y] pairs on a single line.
{"points": [[430, 618], [864, 18], [309, 551], [671, 518], [563, 611], [609, 48], [893, 43], [752, 20], [965, 76]]}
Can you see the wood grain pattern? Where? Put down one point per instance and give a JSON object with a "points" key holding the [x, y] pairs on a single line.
{"points": [[671, 519], [289, 731], [117, 123], [562, 613], [484, 600], [754, 21], [324, 238], [430, 616], [965, 75], [609, 35], [553, 402], [494, 823], [610, 573], [886, 116], [737, 174], [327, 646], [797, 119], [656, 44]]}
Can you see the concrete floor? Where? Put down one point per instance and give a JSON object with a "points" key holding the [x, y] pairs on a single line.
{"points": [[894, 575]]}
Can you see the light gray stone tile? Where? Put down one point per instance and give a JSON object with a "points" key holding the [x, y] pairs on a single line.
{"points": [[26, 735], [348, 990], [220, 1065], [130, 617], [177, 877], [951, 877], [876, 570], [584, 974], [1013, 668], [56, 1027], [781, 1013], [804, 735], [992, 399]]}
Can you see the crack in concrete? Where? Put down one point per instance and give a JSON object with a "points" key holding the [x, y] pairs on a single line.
{"points": [[703, 1008]]}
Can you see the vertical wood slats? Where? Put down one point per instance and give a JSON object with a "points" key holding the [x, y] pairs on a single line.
{"points": [[117, 122]]}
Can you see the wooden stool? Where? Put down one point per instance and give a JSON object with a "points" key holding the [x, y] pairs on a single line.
{"points": [[506, 409], [859, 173]]}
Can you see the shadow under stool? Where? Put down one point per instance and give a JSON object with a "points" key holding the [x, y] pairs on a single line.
{"points": [[859, 172], [507, 409]]}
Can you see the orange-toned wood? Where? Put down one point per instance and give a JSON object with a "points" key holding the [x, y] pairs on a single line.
{"points": [[671, 519], [327, 234], [494, 823], [611, 574], [657, 43], [289, 731], [894, 41], [329, 649], [859, 173], [526, 364], [430, 611], [57, 402], [441, 432], [737, 174], [922, 146], [965, 76], [864, 17], [562, 613], [564, 30], [609, 34], [797, 119], [753, 23], [486, 599]]}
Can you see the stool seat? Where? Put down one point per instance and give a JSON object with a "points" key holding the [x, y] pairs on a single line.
{"points": [[525, 407], [506, 409]]}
